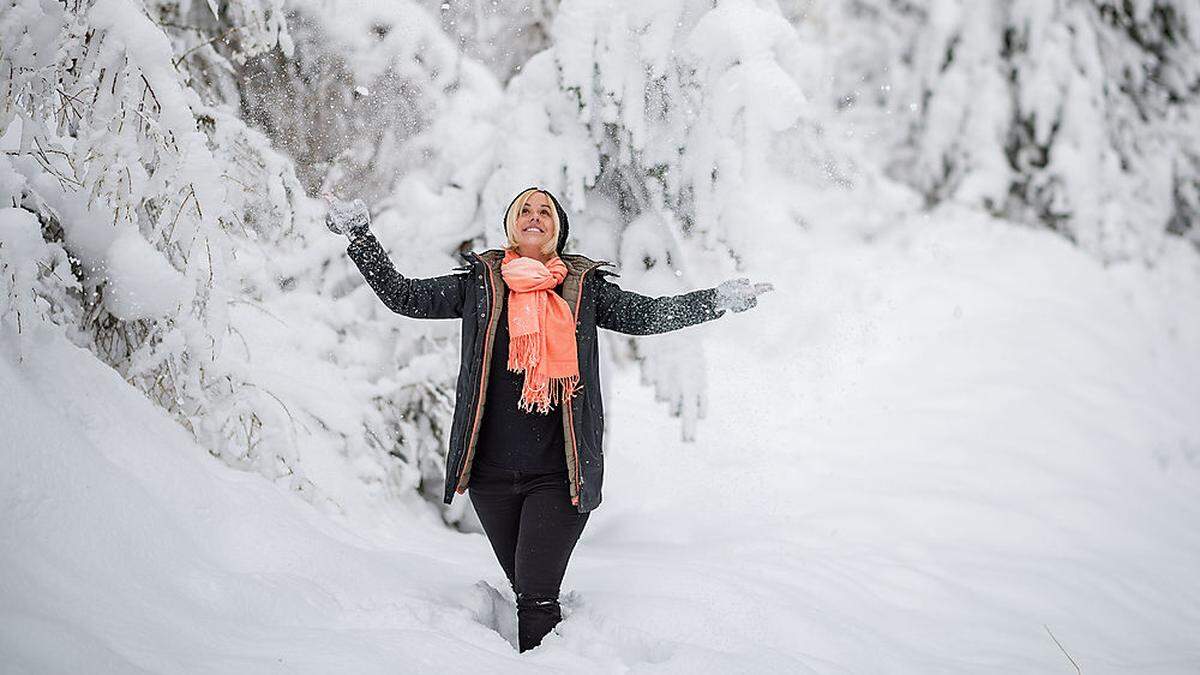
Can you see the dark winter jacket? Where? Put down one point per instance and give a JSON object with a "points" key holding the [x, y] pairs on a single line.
{"points": [[476, 294]]}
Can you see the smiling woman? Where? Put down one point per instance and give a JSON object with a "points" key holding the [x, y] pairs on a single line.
{"points": [[528, 429], [533, 225]]}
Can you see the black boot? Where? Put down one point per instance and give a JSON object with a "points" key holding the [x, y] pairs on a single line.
{"points": [[536, 616]]}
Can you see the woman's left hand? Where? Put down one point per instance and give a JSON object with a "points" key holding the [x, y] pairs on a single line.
{"points": [[739, 294], [351, 219]]}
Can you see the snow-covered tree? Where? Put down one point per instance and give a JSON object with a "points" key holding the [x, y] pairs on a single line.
{"points": [[112, 156], [1072, 114], [500, 35], [155, 228], [661, 125], [350, 101]]}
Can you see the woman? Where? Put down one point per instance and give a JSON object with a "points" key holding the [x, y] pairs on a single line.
{"points": [[528, 420]]}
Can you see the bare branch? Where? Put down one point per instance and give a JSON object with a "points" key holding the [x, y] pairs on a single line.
{"points": [[1064, 650]]}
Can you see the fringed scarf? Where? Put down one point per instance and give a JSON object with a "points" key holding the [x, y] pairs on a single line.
{"points": [[541, 331]]}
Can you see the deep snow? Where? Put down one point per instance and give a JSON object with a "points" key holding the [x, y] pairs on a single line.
{"points": [[920, 455]]}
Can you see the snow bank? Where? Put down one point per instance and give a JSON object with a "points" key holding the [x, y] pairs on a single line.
{"points": [[127, 548]]}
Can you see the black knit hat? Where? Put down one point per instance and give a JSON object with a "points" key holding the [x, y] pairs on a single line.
{"points": [[563, 226]]}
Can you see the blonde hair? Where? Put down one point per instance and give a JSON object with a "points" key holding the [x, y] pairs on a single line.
{"points": [[514, 210]]}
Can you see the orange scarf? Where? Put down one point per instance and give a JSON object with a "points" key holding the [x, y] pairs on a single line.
{"points": [[541, 331]]}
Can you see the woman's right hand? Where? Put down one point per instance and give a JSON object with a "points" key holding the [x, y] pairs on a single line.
{"points": [[351, 219]]}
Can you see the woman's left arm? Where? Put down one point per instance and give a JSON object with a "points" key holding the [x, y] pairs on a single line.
{"points": [[634, 314]]}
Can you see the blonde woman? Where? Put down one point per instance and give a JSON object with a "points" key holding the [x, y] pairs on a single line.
{"points": [[528, 424]]}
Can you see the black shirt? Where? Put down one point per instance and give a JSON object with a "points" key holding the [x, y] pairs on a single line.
{"points": [[508, 436]]}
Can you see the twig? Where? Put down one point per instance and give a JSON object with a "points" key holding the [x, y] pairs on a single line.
{"points": [[180, 26], [55, 151], [68, 100], [1064, 650], [207, 42], [46, 164], [208, 250], [148, 88], [283, 405], [171, 233]]}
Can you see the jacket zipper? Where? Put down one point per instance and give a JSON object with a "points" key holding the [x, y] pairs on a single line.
{"points": [[483, 368]]}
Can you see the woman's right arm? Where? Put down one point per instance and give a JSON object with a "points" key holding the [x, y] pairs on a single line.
{"points": [[434, 298]]}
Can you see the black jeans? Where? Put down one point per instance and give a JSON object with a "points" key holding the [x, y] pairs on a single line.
{"points": [[532, 526]]}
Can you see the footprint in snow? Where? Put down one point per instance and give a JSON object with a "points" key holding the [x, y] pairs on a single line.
{"points": [[494, 609]]}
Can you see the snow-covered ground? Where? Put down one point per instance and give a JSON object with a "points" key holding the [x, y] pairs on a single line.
{"points": [[921, 455]]}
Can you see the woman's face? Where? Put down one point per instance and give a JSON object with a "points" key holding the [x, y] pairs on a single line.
{"points": [[535, 225]]}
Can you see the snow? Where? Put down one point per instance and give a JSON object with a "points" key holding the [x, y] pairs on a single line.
{"points": [[946, 443], [923, 455], [141, 282], [124, 535]]}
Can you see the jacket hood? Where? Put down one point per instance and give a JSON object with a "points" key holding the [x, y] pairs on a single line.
{"points": [[564, 227]]}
